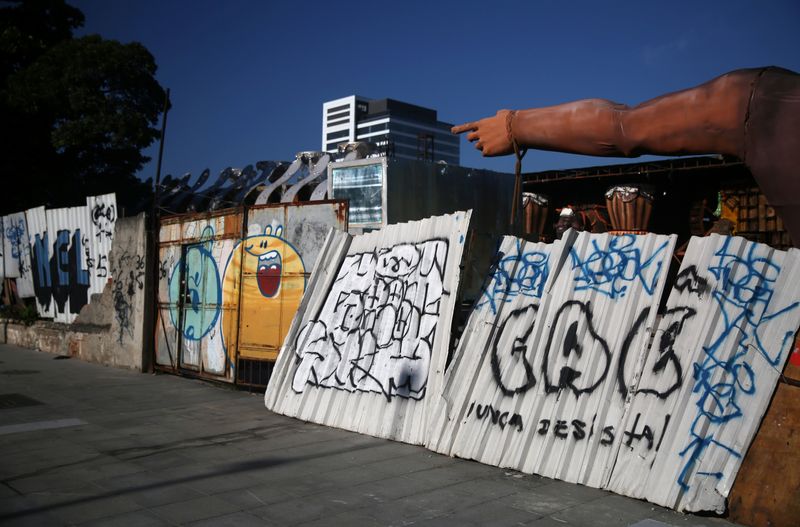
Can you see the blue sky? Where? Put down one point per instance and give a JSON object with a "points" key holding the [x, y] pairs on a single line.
{"points": [[248, 78]]}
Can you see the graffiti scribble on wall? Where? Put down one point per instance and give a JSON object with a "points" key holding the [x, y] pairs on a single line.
{"points": [[724, 381], [375, 333], [16, 253], [610, 270], [576, 372], [60, 256], [129, 271], [523, 271], [602, 392]]}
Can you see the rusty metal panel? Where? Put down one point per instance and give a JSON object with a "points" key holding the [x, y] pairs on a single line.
{"points": [[368, 346], [717, 355], [195, 320], [280, 249]]}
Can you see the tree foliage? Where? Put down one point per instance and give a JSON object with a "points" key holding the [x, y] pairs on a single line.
{"points": [[77, 112]]}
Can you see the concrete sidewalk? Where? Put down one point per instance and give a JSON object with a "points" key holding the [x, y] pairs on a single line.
{"points": [[89, 445]]}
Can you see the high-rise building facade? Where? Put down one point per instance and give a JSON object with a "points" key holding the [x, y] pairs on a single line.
{"points": [[399, 129]]}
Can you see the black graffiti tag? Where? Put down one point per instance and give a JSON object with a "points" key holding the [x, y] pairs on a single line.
{"points": [[511, 367], [664, 362], [584, 359], [376, 330], [688, 279]]}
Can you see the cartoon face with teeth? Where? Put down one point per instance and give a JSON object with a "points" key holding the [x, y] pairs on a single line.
{"points": [[268, 274], [266, 278]]}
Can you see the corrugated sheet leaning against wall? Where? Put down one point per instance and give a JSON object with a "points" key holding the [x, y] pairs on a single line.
{"points": [[368, 347], [568, 368], [552, 372], [60, 256]]}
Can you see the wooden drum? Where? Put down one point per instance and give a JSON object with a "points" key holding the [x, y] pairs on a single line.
{"points": [[534, 209], [629, 207]]}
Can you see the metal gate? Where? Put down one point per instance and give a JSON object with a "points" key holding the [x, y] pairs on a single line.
{"points": [[230, 283]]}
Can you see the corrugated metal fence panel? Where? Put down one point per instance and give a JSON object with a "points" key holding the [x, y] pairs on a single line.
{"points": [[370, 356], [518, 280], [39, 241], [102, 211], [17, 253], [63, 259], [716, 358], [279, 396], [10, 249], [557, 390], [69, 231], [280, 248], [196, 317], [169, 254]]}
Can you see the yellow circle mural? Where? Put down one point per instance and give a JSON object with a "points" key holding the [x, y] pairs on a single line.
{"points": [[265, 278]]}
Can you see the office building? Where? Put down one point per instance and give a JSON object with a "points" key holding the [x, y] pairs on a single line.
{"points": [[399, 129]]}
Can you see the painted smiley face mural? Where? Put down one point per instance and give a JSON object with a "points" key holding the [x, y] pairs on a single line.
{"points": [[271, 275]]}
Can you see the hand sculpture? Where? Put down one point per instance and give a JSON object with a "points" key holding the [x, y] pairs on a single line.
{"points": [[751, 114]]}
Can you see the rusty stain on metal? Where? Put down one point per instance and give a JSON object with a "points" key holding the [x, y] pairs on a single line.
{"points": [[230, 281]]}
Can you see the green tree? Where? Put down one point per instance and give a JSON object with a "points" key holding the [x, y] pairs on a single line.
{"points": [[77, 111]]}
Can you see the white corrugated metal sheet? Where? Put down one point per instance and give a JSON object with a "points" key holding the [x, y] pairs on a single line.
{"points": [[40, 260], [716, 358], [102, 212], [567, 368], [68, 255], [69, 231], [537, 384], [17, 253], [368, 346]]}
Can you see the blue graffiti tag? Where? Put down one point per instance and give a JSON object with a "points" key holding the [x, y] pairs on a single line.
{"points": [[743, 294], [15, 233], [201, 295], [522, 273], [609, 271]]}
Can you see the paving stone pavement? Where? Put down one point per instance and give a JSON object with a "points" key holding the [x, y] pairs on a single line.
{"points": [[102, 446]]}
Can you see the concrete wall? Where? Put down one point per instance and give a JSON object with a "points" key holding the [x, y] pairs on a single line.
{"points": [[112, 329]]}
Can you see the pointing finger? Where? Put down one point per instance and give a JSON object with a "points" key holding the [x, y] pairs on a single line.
{"points": [[464, 127]]}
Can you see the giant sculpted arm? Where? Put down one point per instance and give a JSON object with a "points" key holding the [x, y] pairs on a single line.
{"points": [[705, 119], [751, 114]]}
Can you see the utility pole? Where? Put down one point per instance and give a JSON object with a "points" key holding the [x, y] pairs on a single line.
{"points": [[152, 300]]}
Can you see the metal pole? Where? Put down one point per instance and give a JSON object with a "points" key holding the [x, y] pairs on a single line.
{"points": [[153, 239], [161, 150]]}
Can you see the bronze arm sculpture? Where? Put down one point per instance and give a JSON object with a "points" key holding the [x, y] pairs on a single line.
{"points": [[752, 114]]}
